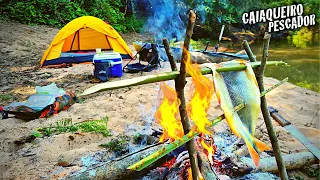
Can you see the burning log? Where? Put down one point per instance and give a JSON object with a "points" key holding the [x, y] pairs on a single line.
{"points": [[205, 167], [167, 76]]}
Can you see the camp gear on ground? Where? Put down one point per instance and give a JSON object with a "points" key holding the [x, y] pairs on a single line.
{"points": [[47, 101], [107, 65], [176, 51], [199, 56], [50, 89], [77, 42], [237, 87], [3, 113], [295, 132], [149, 55], [40, 101], [22, 111], [61, 103]]}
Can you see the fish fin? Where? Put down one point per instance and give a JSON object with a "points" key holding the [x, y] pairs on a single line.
{"points": [[261, 145], [254, 155]]}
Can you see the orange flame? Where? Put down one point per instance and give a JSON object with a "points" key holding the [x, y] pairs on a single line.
{"points": [[210, 150], [202, 95], [190, 174], [168, 114]]}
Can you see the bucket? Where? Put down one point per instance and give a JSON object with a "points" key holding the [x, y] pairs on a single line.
{"points": [[98, 50]]}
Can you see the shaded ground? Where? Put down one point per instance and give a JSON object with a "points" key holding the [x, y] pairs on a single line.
{"points": [[130, 109]]}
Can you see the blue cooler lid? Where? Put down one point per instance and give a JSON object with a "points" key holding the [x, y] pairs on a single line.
{"points": [[107, 57]]}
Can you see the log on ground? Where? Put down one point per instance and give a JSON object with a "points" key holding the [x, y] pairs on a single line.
{"points": [[291, 161], [117, 169]]}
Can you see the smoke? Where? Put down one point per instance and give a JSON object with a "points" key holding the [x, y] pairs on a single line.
{"points": [[167, 19], [200, 10]]}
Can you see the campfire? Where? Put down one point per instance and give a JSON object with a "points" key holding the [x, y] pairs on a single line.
{"points": [[188, 147]]}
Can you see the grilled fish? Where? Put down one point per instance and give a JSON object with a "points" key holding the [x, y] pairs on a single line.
{"points": [[236, 87]]}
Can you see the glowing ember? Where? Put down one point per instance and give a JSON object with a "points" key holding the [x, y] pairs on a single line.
{"points": [[202, 95], [189, 174], [170, 162], [210, 150], [168, 114]]}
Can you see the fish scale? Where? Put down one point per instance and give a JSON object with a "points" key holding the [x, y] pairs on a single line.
{"points": [[242, 90], [238, 87]]}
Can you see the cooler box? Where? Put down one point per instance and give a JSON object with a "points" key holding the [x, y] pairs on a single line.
{"points": [[107, 65]]}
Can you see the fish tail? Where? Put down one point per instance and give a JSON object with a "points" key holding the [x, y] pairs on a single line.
{"points": [[261, 146], [253, 152], [254, 155]]}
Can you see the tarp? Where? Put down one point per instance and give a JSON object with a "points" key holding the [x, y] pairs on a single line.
{"points": [[84, 34]]}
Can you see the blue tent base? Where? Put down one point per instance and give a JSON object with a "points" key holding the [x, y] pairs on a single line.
{"points": [[75, 58]]}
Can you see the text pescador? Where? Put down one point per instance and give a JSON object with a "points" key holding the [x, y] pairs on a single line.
{"points": [[280, 18]]}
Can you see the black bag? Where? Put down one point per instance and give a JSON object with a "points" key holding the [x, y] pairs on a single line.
{"points": [[101, 70]]}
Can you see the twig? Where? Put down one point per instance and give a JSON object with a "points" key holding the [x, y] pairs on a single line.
{"points": [[169, 54], [265, 111], [247, 48], [179, 85]]}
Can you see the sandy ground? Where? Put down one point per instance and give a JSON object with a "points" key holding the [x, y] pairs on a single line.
{"points": [[130, 110]]}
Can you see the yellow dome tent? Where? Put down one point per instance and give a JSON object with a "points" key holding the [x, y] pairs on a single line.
{"points": [[76, 42]]}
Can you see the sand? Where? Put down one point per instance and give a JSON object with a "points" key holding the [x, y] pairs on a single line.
{"points": [[130, 110]]}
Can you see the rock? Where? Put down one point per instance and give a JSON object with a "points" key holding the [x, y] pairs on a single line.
{"points": [[71, 138], [63, 163]]}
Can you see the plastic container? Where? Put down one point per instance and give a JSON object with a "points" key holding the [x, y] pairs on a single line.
{"points": [[40, 101], [98, 50], [50, 89], [107, 64]]}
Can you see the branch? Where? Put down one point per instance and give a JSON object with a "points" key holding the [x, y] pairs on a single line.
{"points": [[167, 76], [179, 85], [247, 48], [169, 54], [265, 111]]}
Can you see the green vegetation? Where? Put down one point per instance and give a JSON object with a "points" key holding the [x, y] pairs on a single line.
{"points": [[6, 97], [210, 14], [58, 13], [303, 74], [117, 145], [301, 38], [65, 125]]}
